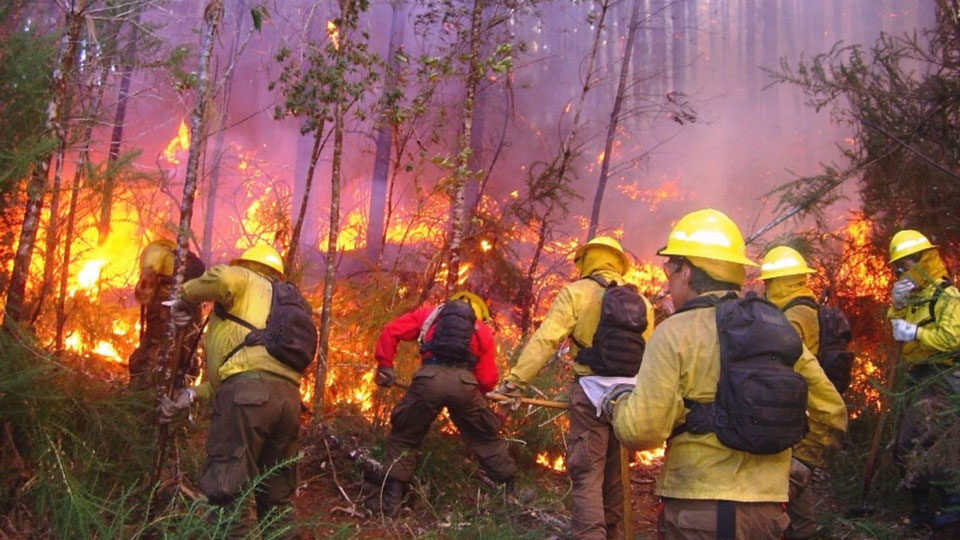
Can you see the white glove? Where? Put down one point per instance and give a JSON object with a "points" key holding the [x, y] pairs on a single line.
{"points": [[182, 312], [168, 408], [901, 291], [903, 331]]}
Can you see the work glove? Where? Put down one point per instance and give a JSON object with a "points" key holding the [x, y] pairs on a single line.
{"points": [[385, 376], [168, 408], [509, 389], [182, 312], [610, 397], [903, 331], [900, 292]]}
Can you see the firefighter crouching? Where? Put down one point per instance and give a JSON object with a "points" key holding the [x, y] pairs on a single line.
{"points": [[458, 367], [153, 288], [723, 479], [825, 332], [608, 323], [925, 316], [256, 409]]}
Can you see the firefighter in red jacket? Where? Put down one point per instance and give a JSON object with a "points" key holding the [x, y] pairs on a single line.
{"points": [[458, 367]]}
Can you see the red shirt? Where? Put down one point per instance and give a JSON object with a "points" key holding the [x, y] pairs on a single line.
{"points": [[407, 328]]}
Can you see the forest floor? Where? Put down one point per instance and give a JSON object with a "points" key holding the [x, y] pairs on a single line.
{"points": [[75, 448]]}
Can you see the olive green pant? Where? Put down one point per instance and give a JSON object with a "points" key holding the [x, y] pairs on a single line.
{"points": [[802, 506], [433, 388], [593, 463], [927, 449], [691, 519], [255, 424]]}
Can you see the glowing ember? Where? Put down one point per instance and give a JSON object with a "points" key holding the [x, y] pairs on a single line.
{"points": [[556, 463], [647, 458], [334, 34], [177, 144]]}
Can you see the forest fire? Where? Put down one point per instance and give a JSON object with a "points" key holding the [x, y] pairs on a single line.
{"points": [[179, 143]]}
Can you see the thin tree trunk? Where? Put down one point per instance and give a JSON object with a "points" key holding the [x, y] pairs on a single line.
{"points": [[771, 101], [381, 164], [213, 182], [750, 75], [212, 16], [119, 118], [566, 156], [614, 118], [462, 171], [308, 183], [56, 112], [678, 52], [323, 353], [659, 47]]}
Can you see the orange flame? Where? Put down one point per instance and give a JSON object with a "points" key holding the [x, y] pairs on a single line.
{"points": [[334, 34], [179, 143]]}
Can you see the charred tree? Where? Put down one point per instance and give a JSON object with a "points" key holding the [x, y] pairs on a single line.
{"points": [[315, 151], [56, 129], [385, 134], [750, 48], [659, 47], [614, 118], [771, 101]]}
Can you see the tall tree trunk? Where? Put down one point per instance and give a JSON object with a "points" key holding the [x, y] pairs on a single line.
{"points": [[213, 181], [771, 101], [462, 171], [381, 164], [614, 118], [678, 51], [566, 156], [750, 65], [693, 31], [119, 119], [315, 151], [212, 15], [56, 128], [659, 48]]}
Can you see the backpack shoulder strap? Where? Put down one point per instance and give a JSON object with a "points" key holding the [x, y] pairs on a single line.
{"points": [[941, 286], [599, 280], [226, 315], [802, 301], [428, 322], [705, 301]]}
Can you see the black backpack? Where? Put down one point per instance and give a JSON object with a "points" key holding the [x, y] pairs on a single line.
{"points": [[761, 402], [290, 335], [450, 342], [835, 337], [618, 341]]}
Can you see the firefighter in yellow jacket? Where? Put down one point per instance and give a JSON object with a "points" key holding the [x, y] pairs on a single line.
{"points": [[256, 410], [703, 480], [925, 316], [593, 459], [784, 274]]}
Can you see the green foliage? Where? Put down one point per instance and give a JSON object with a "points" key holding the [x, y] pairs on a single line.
{"points": [[900, 97], [25, 69]]}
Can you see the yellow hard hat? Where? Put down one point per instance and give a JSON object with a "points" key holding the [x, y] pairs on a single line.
{"points": [[908, 242], [783, 261], [479, 306], [708, 234], [605, 242], [263, 254]]}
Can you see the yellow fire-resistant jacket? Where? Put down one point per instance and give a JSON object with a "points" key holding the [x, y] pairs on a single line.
{"points": [[682, 360], [782, 291], [575, 312], [938, 332], [247, 295]]}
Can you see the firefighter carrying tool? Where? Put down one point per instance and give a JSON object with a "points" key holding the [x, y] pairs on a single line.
{"points": [[457, 354]]}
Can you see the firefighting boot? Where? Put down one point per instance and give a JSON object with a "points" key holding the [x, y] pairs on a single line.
{"points": [[949, 514], [388, 501], [922, 513]]}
